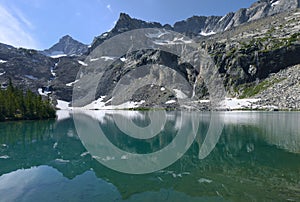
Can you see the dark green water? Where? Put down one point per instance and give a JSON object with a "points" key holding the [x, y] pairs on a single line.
{"points": [[256, 158]]}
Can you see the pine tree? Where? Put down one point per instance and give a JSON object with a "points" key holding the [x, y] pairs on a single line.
{"points": [[15, 104]]}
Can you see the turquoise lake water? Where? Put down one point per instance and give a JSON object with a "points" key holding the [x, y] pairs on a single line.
{"points": [[219, 156]]}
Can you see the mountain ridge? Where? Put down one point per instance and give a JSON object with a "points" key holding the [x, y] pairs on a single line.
{"points": [[192, 26], [203, 25], [247, 55]]}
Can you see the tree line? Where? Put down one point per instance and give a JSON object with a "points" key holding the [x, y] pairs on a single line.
{"points": [[15, 104]]}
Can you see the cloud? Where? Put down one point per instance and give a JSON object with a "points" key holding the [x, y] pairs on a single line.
{"points": [[109, 7], [15, 28]]}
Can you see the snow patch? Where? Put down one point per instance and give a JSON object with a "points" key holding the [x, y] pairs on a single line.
{"points": [[180, 94], [222, 18], [72, 83], [53, 73], [274, 2], [171, 101], [96, 104], [52, 70], [157, 35], [175, 41], [101, 105], [234, 103], [61, 104], [2, 61], [123, 59], [82, 63], [162, 88], [58, 56], [207, 33], [94, 59], [2, 73], [106, 58], [43, 92]]}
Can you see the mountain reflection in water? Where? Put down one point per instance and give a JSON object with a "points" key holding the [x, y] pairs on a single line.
{"points": [[256, 157]]}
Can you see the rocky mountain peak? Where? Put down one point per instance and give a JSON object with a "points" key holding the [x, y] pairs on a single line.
{"points": [[66, 38], [124, 16], [66, 46], [125, 23]]}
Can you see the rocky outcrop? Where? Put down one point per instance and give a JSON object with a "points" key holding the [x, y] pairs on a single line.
{"points": [[282, 89], [65, 71]]}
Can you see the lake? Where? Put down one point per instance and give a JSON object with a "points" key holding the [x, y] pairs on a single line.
{"points": [[152, 156]]}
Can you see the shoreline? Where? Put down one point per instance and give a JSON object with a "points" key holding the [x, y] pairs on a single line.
{"points": [[228, 104]]}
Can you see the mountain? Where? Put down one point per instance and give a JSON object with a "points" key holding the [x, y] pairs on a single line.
{"points": [[249, 48], [204, 25], [66, 46], [125, 23], [29, 69], [261, 59], [256, 51]]}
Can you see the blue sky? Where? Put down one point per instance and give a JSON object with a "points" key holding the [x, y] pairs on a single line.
{"points": [[40, 23]]}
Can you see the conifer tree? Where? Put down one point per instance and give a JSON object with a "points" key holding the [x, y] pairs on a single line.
{"points": [[15, 104]]}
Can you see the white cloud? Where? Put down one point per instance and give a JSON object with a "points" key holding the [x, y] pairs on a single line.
{"points": [[109, 7], [15, 28]]}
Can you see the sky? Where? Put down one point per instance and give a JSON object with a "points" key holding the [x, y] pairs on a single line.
{"points": [[39, 24]]}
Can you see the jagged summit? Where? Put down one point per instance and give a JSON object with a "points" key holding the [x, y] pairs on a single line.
{"points": [[66, 46], [125, 23]]}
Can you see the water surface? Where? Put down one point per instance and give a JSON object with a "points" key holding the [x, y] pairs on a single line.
{"points": [[256, 157]]}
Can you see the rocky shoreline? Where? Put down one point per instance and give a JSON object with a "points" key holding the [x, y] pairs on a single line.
{"points": [[285, 93]]}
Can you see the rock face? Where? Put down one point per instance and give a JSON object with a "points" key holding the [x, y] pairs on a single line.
{"points": [[284, 91], [201, 25], [26, 68], [29, 69], [66, 46]]}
